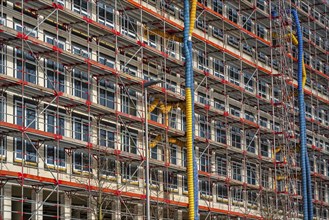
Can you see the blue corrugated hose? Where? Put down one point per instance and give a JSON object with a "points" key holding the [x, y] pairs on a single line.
{"points": [[306, 174]]}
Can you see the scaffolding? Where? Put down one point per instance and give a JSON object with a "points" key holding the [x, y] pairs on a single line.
{"points": [[72, 122]]}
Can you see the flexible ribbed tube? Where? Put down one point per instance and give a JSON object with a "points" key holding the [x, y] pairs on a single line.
{"points": [[307, 194], [189, 104], [195, 166]]}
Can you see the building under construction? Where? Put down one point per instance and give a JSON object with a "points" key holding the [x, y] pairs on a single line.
{"points": [[72, 103]]}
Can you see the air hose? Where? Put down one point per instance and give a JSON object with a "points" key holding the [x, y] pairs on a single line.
{"points": [[195, 166], [189, 105], [305, 166]]}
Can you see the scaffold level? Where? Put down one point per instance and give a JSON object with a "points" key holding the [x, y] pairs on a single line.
{"points": [[73, 116]]}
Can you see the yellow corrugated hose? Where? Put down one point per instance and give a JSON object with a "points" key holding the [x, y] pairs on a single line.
{"points": [[189, 146], [189, 132], [192, 16], [295, 42]]}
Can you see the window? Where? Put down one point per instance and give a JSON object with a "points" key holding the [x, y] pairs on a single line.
{"points": [[235, 111], [203, 98], [249, 116], [107, 166], [204, 127], [81, 7], [233, 41], [217, 6], [265, 178], [2, 59], [168, 7], [218, 33], [2, 19], [184, 183], [173, 154], [308, 110], [218, 68], [81, 128], [262, 89], [236, 137], [26, 67], [249, 82], [80, 84], [220, 132], [262, 57], [106, 93], [251, 174], [171, 85], [309, 139], [154, 114], [128, 68], [261, 31], [184, 158], [173, 119], [232, 14], [202, 24], [106, 60], [261, 4], [202, 61], [234, 75], [3, 144], [2, 108], [154, 152], [54, 40], [25, 150], [252, 197], [154, 177], [221, 166], [25, 28], [81, 50], [306, 32], [129, 140], [153, 39], [128, 26], [247, 23], [237, 171], [205, 187], [276, 95], [55, 156], [55, 77], [237, 194], [171, 48], [105, 14], [129, 171], [55, 123], [171, 179], [26, 116], [107, 135], [218, 104], [222, 192], [248, 49], [250, 142], [264, 148], [81, 162], [204, 162], [129, 102], [320, 166]]}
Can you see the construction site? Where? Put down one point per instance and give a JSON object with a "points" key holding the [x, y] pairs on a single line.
{"points": [[164, 109]]}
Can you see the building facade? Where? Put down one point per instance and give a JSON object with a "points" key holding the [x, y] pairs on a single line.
{"points": [[72, 142]]}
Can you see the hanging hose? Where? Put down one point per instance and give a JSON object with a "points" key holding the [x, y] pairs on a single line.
{"points": [[195, 166], [306, 177], [189, 105]]}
